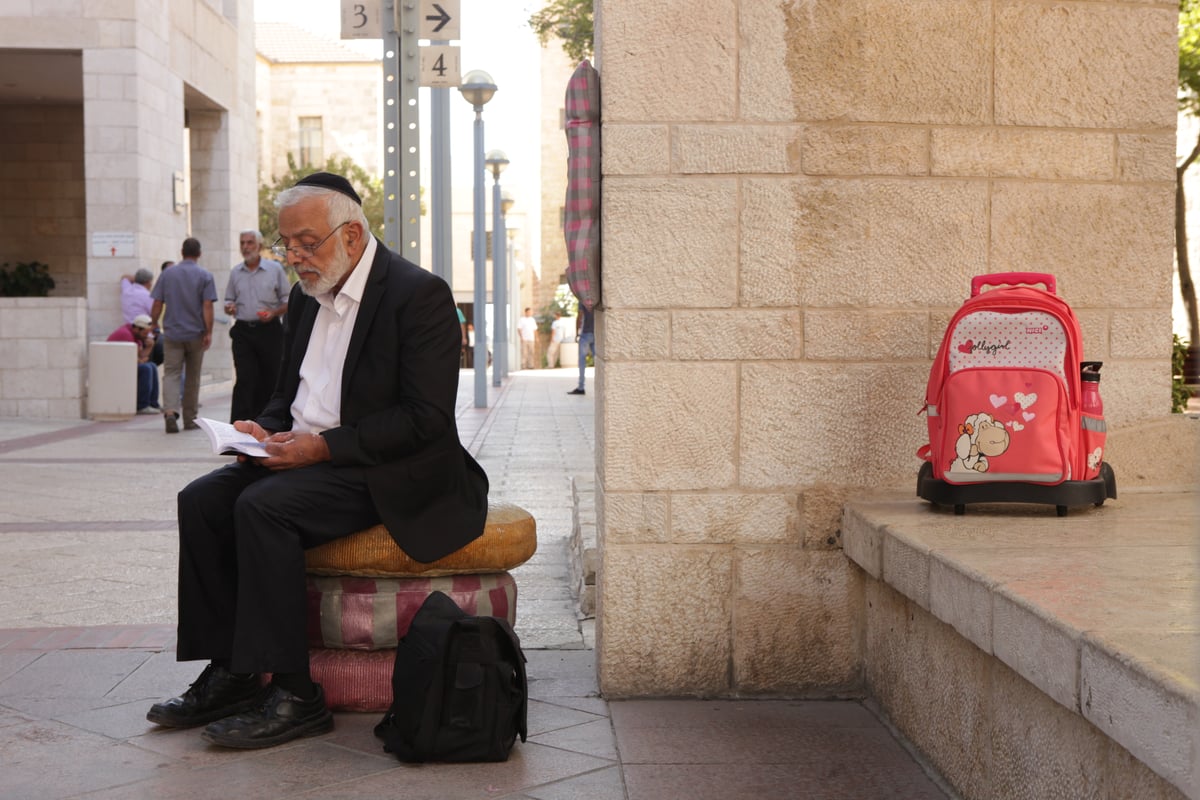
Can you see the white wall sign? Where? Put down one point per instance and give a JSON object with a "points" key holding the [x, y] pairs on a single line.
{"points": [[440, 21], [362, 20], [112, 244], [440, 65]]}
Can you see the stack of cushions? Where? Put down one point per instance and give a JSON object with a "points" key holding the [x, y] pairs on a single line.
{"points": [[363, 591]]}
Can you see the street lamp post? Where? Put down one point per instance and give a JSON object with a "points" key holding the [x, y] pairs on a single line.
{"points": [[496, 161], [506, 203], [477, 89]]}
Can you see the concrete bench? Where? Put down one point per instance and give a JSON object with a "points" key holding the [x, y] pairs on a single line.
{"points": [[363, 591], [1028, 655]]}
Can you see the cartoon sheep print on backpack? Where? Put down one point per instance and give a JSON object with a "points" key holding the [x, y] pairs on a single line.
{"points": [[1003, 400]]}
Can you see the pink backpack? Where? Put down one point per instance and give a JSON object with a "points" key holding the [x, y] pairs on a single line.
{"points": [[1004, 403]]}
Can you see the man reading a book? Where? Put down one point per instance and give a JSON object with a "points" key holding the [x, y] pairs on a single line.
{"points": [[360, 430]]}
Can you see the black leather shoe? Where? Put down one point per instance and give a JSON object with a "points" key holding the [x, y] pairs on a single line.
{"points": [[279, 717], [577, 391], [217, 693]]}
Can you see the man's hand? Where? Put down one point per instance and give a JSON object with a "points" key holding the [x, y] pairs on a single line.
{"points": [[291, 450]]}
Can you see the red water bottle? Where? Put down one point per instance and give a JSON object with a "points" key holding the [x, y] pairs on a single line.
{"points": [[1089, 375]]}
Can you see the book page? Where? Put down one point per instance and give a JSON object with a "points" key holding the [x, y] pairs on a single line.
{"points": [[228, 440]]}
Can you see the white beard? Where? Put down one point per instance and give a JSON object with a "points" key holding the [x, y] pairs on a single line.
{"points": [[332, 276]]}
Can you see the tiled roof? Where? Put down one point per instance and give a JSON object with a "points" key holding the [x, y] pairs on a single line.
{"points": [[284, 43]]}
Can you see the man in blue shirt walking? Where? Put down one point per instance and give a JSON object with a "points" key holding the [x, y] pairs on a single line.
{"points": [[188, 292]]}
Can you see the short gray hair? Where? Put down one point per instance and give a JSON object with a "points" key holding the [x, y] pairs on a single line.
{"points": [[341, 208], [143, 275], [257, 234]]}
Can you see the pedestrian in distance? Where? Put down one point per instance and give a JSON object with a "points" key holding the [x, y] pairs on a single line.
{"points": [[184, 295], [527, 330], [140, 332], [256, 298], [587, 343]]}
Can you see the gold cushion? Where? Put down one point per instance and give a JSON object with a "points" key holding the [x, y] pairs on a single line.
{"points": [[509, 539]]}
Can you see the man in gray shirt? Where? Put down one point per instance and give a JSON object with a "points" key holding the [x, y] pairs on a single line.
{"points": [[256, 297], [188, 292]]}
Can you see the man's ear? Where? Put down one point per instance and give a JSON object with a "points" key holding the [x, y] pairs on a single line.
{"points": [[357, 233]]}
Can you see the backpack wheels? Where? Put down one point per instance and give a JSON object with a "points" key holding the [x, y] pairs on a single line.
{"points": [[1063, 496]]}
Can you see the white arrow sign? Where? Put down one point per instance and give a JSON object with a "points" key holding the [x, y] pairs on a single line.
{"points": [[440, 21]]}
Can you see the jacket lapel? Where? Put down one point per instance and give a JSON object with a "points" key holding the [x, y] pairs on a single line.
{"points": [[372, 294]]}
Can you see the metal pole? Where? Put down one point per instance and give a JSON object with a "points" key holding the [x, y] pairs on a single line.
{"points": [[439, 200], [499, 315], [480, 248], [392, 233], [504, 327]]}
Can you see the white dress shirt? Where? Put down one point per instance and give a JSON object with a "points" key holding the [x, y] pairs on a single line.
{"points": [[318, 403]]}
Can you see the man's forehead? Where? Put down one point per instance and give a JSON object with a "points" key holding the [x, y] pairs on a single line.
{"points": [[306, 216]]}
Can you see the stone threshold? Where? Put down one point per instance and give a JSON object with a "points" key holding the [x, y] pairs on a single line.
{"points": [[1100, 610]]}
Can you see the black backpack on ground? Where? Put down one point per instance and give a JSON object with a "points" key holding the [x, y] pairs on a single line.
{"points": [[458, 687]]}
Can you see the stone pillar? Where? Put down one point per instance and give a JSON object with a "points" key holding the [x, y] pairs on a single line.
{"points": [[795, 200]]}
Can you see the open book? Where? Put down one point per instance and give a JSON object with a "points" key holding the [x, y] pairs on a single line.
{"points": [[228, 440]]}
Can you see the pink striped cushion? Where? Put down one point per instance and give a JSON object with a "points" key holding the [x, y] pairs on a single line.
{"points": [[354, 680], [374, 613]]}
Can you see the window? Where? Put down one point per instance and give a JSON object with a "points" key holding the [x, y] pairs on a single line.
{"points": [[488, 255], [311, 142]]}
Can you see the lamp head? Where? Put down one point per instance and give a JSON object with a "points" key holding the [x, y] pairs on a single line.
{"points": [[496, 161], [477, 88]]}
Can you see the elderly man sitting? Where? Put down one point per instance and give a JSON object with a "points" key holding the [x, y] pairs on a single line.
{"points": [[139, 332]]}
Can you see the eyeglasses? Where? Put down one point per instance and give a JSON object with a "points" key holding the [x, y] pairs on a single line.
{"points": [[301, 250]]}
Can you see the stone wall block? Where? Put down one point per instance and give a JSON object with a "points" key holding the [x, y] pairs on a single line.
{"points": [[746, 335], [861, 242], [1141, 334], [929, 63], [1146, 157], [670, 244], [734, 519], [865, 150], [1065, 65], [634, 518], [32, 384], [1012, 153], [644, 594], [796, 622], [648, 47], [1103, 253], [803, 424], [760, 149], [635, 149], [636, 335], [934, 685], [1094, 327], [821, 509], [670, 426], [1136, 391], [865, 335]]}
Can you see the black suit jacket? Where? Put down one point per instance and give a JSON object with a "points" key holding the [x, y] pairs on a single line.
{"points": [[399, 386]]}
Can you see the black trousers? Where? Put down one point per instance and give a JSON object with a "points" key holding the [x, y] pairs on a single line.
{"points": [[257, 350], [243, 530]]}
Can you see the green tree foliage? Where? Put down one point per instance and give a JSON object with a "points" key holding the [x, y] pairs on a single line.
{"points": [[569, 21], [1189, 103], [368, 188]]}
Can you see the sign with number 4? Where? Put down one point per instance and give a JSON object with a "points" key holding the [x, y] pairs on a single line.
{"points": [[440, 66]]}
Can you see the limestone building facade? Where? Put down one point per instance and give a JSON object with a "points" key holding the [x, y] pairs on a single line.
{"points": [[127, 126], [796, 196]]}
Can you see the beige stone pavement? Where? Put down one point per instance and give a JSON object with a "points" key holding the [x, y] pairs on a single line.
{"points": [[87, 603]]}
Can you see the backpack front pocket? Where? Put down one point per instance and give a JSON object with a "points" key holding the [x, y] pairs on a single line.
{"points": [[1004, 424]]}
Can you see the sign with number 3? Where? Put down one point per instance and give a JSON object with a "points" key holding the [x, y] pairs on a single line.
{"points": [[362, 20]]}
